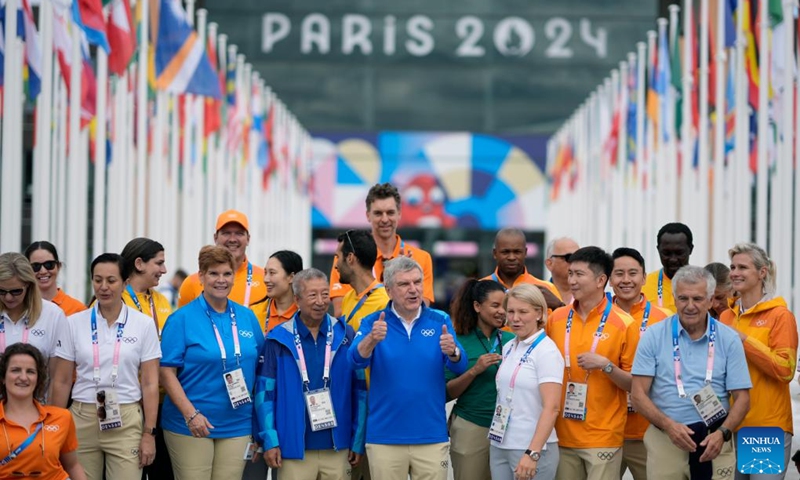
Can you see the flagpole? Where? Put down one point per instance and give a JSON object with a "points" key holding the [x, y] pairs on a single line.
{"points": [[763, 126], [99, 199], [647, 166], [671, 167], [213, 145], [42, 165], [199, 169], [77, 167], [11, 186], [187, 194], [717, 219], [141, 122], [786, 159], [61, 197], [641, 114]]}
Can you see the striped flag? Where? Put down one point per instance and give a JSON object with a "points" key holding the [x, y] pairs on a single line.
{"points": [[121, 36]]}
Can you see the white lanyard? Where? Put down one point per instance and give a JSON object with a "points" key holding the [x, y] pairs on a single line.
{"points": [[237, 351], [596, 340], [676, 354], [301, 358], [96, 349], [522, 361], [3, 332]]}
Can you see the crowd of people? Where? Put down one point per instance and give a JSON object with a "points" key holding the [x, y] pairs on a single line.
{"points": [[603, 369]]}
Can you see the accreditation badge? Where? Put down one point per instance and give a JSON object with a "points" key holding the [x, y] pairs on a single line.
{"points": [[320, 409], [500, 421], [630, 403], [707, 404], [237, 388], [575, 401], [109, 415]]}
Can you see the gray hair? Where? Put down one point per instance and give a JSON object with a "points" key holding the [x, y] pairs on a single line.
{"points": [[509, 232], [397, 265], [692, 275], [303, 276], [551, 245], [760, 260]]}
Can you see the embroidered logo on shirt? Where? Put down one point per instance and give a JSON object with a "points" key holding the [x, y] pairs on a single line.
{"points": [[38, 332], [52, 428], [130, 340], [428, 332]]}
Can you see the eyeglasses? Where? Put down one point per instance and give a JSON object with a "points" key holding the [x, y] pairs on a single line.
{"points": [[565, 256], [14, 293], [49, 265]]}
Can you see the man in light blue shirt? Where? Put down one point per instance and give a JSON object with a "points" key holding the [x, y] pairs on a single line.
{"points": [[689, 410]]}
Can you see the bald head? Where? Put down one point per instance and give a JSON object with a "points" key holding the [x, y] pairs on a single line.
{"points": [[556, 257], [509, 234]]}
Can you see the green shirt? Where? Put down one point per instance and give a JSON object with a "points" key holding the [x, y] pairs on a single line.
{"points": [[477, 403]]}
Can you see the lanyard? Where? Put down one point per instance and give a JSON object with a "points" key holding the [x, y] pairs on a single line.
{"points": [[494, 277], [237, 351], [249, 284], [522, 361], [301, 358], [661, 288], [676, 354], [645, 318], [139, 306], [498, 341], [361, 302], [596, 340], [3, 332], [96, 349], [23, 446]]}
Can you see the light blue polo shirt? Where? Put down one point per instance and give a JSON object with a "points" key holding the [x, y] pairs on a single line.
{"points": [[654, 359]]}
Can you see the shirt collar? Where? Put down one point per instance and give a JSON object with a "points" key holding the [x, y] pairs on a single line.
{"points": [[243, 266], [395, 252], [416, 317], [516, 280], [42, 412], [533, 337], [303, 331], [598, 309], [682, 330]]}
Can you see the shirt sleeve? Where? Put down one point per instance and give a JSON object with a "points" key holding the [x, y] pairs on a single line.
{"points": [[60, 319], [264, 396], [737, 376], [628, 353], [353, 356], [550, 365], [778, 358], [151, 348], [173, 340], [359, 395], [644, 363], [65, 343], [426, 263]]}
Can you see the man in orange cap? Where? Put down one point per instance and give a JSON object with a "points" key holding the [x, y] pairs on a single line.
{"points": [[248, 283]]}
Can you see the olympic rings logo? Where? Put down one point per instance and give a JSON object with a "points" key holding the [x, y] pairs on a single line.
{"points": [[52, 428], [130, 340], [606, 456], [428, 332], [725, 472], [38, 332], [245, 334]]}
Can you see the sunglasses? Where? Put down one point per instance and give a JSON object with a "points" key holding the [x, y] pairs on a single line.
{"points": [[48, 265], [565, 256], [347, 234], [14, 293]]}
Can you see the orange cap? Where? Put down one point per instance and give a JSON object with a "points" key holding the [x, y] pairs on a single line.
{"points": [[232, 216]]}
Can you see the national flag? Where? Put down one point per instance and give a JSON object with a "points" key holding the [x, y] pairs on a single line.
{"points": [[32, 67], [121, 36], [663, 80], [633, 94], [744, 7], [652, 100], [212, 116], [62, 41], [88, 15], [234, 120], [730, 110], [182, 65]]}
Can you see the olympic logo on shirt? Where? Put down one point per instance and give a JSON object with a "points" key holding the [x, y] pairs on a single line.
{"points": [[725, 472], [52, 428], [428, 332], [130, 340], [761, 323], [603, 336], [606, 456], [245, 334], [38, 332]]}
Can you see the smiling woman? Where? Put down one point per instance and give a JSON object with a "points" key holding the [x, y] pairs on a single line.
{"points": [[46, 266]]}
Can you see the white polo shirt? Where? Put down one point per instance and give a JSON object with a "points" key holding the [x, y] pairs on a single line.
{"points": [[544, 365], [42, 334], [139, 344]]}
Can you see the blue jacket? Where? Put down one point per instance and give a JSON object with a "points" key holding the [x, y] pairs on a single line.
{"points": [[407, 383], [279, 399]]}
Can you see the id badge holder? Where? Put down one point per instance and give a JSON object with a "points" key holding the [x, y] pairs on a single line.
{"points": [[320, 409], [707, 404], [575, 401], [109, 415], [500, 421], [630, 403], [237, 388]]}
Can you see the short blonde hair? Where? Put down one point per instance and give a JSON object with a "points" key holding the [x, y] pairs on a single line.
{"points": [[15, 265], [760, 260], [531, 295]]}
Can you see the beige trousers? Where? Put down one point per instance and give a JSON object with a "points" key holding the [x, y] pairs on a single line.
{"points": [[206, 458], [317, 465], [634, 457], [469, 450], [397, 462], [116, 451], [672, 463], [589, 463]]}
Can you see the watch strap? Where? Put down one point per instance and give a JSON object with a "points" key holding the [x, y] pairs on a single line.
{"points": [[535, 456]]}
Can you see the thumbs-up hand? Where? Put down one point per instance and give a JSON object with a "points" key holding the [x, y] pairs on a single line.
{"points": [[378, 332], [447, 342]]}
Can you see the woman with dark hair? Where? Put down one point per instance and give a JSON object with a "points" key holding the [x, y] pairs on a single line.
{"points": [[40, 439], [144, 260], [724, 289], [46, 267], [278, 275], [478, 314], [24, 316], [114, 350]]}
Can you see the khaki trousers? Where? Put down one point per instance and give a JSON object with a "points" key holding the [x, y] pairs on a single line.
{"points": [[589, 463], [317, 465], [116, 451], [469, 450], [361, 471], [672, 463], [397, 462], [206, 458], [634, 457]]}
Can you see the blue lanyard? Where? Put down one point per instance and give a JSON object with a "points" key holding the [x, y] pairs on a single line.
{"points": [[361, 302], [494, 277], [661, 288], [645, 317], [498, 341], [596, 340], [153, 313], [301, 358], [23, 446], [676, 353]]}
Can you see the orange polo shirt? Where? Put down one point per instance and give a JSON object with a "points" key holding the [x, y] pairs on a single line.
{"points": [[43, 454], [771, 351], [422, 257], [525, 278], [606, 404], [637, 424], [275, 318], [69, 304], [191, 288]]}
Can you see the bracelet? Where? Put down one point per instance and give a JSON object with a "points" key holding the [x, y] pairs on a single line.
{"points": [[192, 417]]}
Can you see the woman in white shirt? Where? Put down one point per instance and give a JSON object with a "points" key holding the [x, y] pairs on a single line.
{"points": [[109, 345], [523, 438], [24, 316]]}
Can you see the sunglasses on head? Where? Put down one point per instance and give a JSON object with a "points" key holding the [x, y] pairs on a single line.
{"points": [[14, 293], [347, 234], [48, 265]]}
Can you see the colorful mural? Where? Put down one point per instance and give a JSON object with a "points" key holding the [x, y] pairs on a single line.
{"points": [[446, 180]]}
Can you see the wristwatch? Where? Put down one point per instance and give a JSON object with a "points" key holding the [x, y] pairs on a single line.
{"points": [[455, 352], [608, 368], [535, 456], [726, 434], [151, 431]]}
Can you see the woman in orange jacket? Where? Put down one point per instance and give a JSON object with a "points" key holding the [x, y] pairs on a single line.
{"points": [[769, 333]]}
